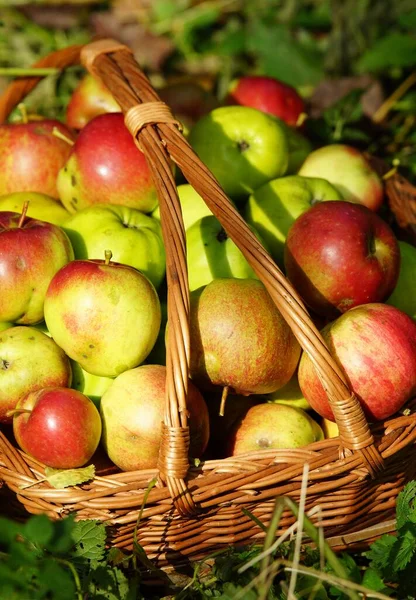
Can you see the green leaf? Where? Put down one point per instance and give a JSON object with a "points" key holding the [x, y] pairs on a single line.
{"points": [[9, 530], [404, 548], [39, 530], [406, 505], [62, 478], [393, 50], [110, 583], [89, 537], [380, 553], [373, 581], [408, 20], [280, 55]]}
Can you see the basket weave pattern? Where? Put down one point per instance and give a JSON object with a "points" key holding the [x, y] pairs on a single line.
{"points": [[194, 510]]}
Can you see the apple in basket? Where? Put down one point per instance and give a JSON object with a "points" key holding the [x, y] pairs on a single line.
{"points": [[339, 255], [106, 166], [242, 146], [105, 316], [375, 344], [135, 239], [192, 205], [273, 208], [31, 252], [239, 339], [41, 206], [132, 411], [268, 426], [31, 156], [268, 95], [29, 361], [404, 294], [89, 99], [211, 254], [349, 171], [58, 426]]}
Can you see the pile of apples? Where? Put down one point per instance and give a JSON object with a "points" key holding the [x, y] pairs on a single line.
{"points": [[83, 291]]}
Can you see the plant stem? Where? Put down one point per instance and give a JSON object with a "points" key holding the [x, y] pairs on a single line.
{"points": [[23, 215], [224, 397], [32, 72], [75, 575], [62, 136], [388, 104]]}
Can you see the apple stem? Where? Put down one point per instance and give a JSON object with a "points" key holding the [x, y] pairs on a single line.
{"points": [[224, 397], [23, 111], [108, 254], [17, 411], [62, 136], [23, 215], [392, 171], [301, 119]]}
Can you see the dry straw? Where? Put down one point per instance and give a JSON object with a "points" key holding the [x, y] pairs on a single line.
{"points": [[195, 510]]}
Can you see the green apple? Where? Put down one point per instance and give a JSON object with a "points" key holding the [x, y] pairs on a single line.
{"points": [[29, 361], [135, 239], [90, 385], [404, 294], [273, 208], [299, 148], [192, 205], [242, 146], [211, 254], [349, 171], [41, 206], [5, 325], [267, 426], [104, 315], [157, 355], [290, 394]]}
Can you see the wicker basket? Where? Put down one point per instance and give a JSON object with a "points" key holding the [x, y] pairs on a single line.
{"points": [[195, 510]]}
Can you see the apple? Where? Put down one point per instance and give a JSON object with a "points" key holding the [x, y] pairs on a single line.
{"points": [[89, 99], [105, 166], [330, 429], [5, 325], [290, 395], [105, 316], [299, 148], [273, 208], [29, 361], [239, 339], [268, 426], [242, 146], [90, 385], [375, 344], [132, 412], [192, 205], [339, 255], [135, 239], [349, 171], [268, 95], [41, 206], [31, 252], [58, 426], [211, 254], [31, 156], [404, 294], [157, 354]]}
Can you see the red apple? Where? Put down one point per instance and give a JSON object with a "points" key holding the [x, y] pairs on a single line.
{"points": [[31, 156], [132, 412], [339, 255], [106, 166], [106, 316], [268, 95], [375, 344], [31, 252], [58, 426], [89, 99]]}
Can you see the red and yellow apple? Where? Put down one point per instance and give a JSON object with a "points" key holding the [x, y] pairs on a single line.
{"points": [[89, 99]]}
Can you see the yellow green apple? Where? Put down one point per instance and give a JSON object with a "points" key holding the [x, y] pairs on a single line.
{"points": [[290, 394], [41, 206], [404, 294]]}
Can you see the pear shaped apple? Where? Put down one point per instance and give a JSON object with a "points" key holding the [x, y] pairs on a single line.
{"points": [[132, 412], [273, 208], [242, 146], [41, 206], [267, 426], [135, 239], [106, 316], [239, 339], [211, 254]]}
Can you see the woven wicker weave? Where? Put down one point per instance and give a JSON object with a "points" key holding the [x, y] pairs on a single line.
{"points": [[195, 510]]}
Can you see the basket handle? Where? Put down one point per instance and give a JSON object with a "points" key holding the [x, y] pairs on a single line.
{"points": [[161, 142]]}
